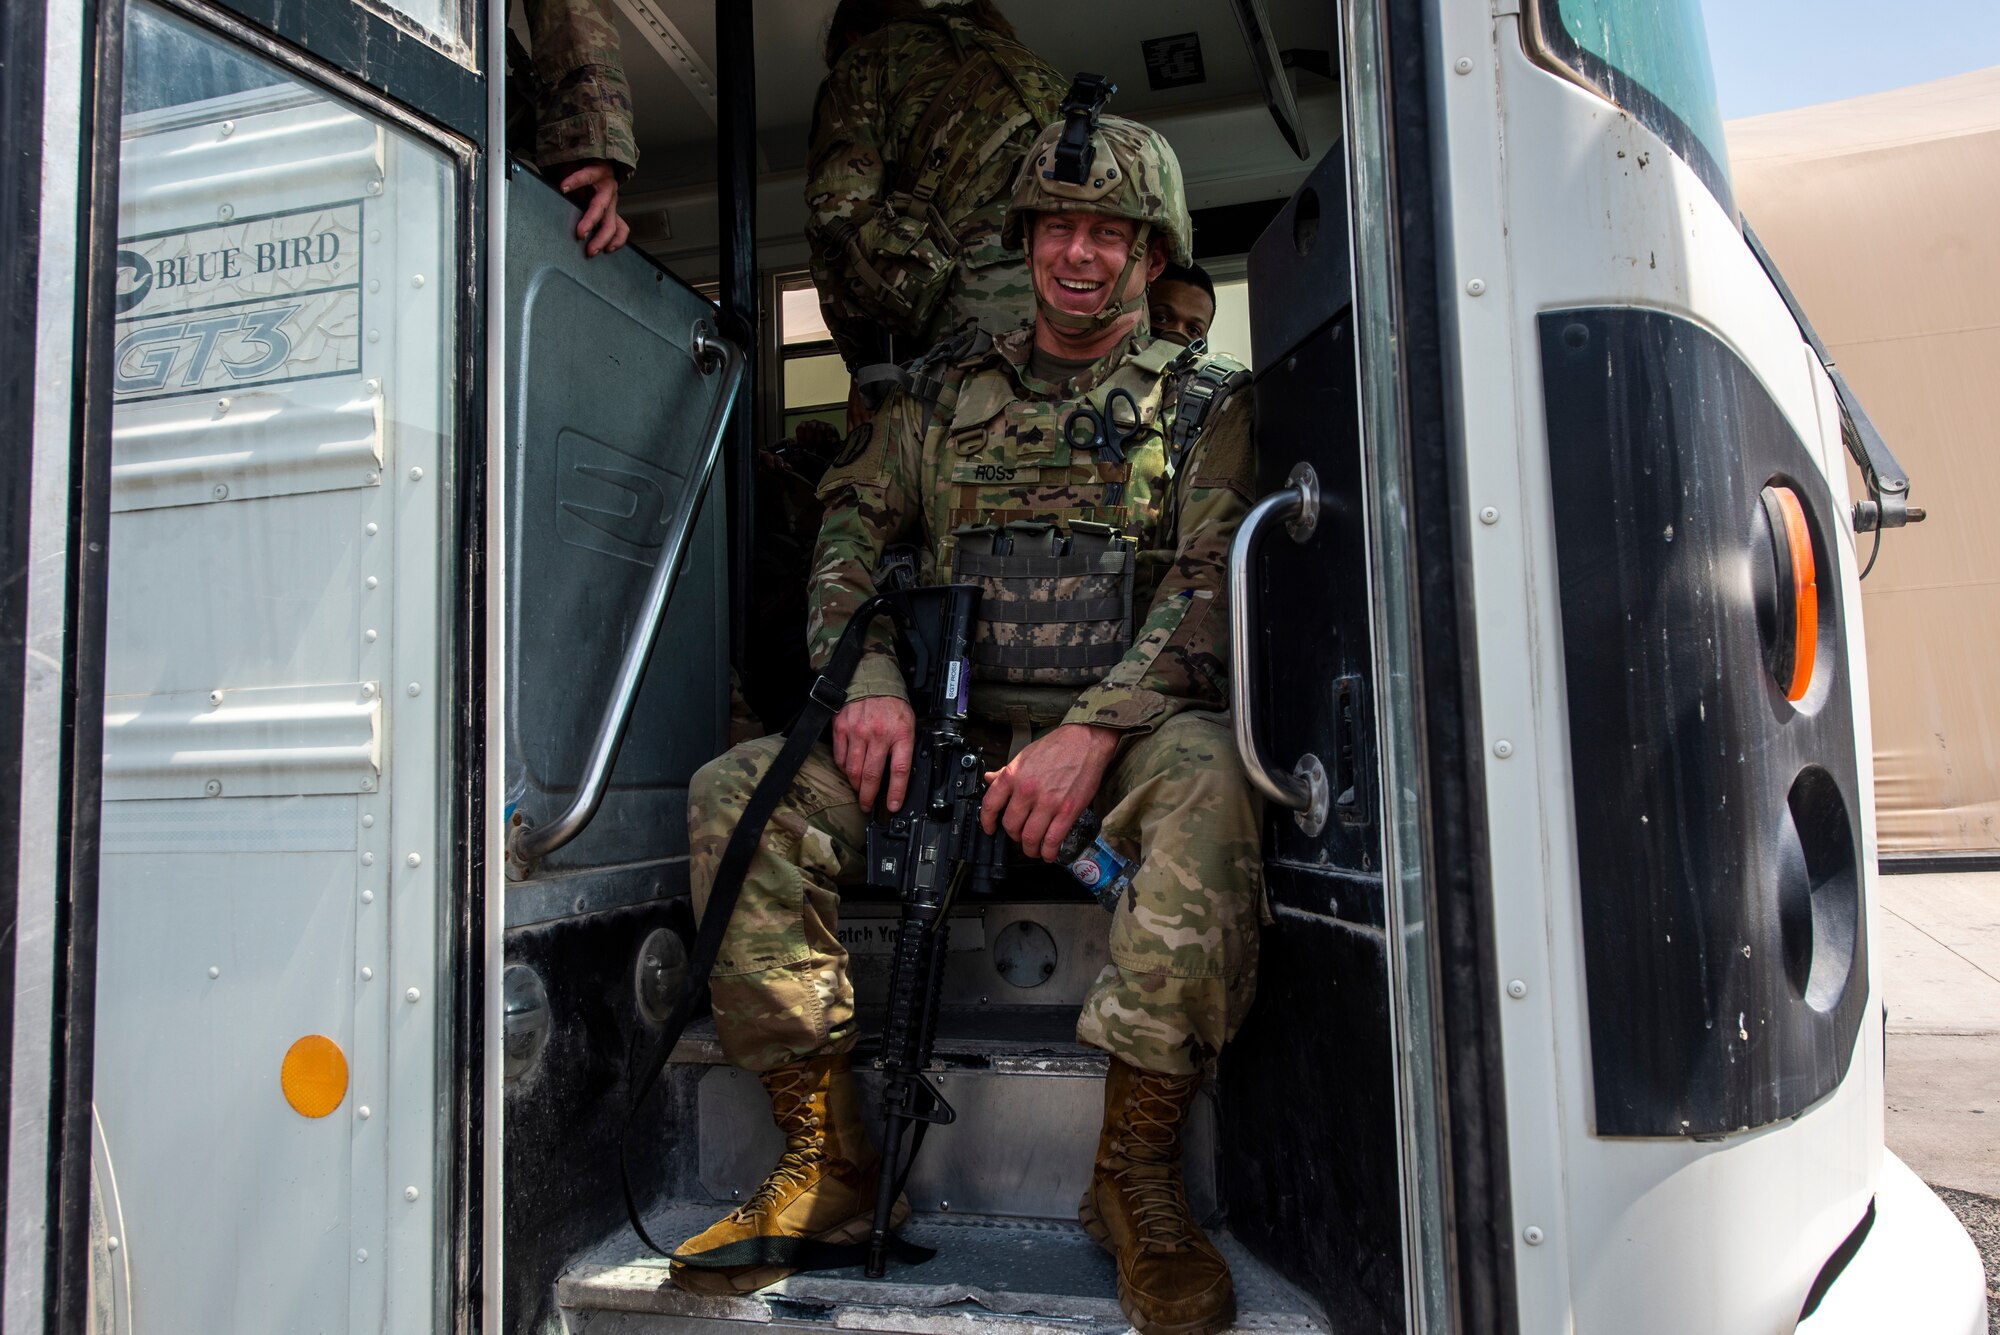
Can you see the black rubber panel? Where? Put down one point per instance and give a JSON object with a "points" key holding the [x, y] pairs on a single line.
{"points": [[1308, 1088], [1309, 1123], [1718, 831]]}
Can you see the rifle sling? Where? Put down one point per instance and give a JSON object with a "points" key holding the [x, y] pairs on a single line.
{"points": [[825, 699]]}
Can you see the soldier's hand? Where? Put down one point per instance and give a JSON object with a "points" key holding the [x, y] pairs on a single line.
{"points": [[601, 229], [1039, 794], [873, 738]]}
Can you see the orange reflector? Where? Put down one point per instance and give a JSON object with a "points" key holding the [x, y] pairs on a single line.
{"points": [[1805, 590], [314, 1075]]}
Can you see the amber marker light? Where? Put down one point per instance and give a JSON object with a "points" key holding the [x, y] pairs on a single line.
{"points": [[1788, 596], [314, 1075]]}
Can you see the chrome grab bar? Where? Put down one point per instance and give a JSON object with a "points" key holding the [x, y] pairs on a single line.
{"points": [[528, 842], [1304, 790]]}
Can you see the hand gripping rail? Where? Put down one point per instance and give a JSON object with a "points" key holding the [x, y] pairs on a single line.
{"points": [[526, 843], [1304, 790]]}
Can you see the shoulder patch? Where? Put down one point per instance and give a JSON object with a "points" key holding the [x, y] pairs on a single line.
{"points": [[856, 446]]}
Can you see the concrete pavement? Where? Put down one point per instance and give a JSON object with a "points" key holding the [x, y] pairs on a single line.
{"points": [[1940, 971], [1939, 937]]}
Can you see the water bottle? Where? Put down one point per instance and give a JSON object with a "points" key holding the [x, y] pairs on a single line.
{"points": [[1096, 865]]}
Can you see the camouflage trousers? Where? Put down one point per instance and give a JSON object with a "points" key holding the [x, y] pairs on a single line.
{"points": [[1183, 959]]}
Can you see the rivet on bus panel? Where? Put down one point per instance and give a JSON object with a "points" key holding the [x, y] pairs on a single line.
{"points": [[1489, 515], [367, 974], [362, 1112], [413, 996], [367, 690], [371, 581], [1503, 748], [368, 785], [416, 689], [374, 336], [372, 529], [368, 821], [1477, 287], [1464, 65], [368, 635], [368, 896], [410, 1193], [214, 972], [222, 405], [367, 859], [415, 859], [215, 697], [226, 212], [374, 187], [1532, 1235], [213, 788], [416, 280], [227, 128], [416, 475], [1517, 989]]}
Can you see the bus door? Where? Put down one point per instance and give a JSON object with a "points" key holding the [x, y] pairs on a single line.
{"points": [[1619, 688], [273, 881], [616, 689]]}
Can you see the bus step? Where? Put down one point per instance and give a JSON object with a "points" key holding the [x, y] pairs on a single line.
{"points": [[991, 1276], [1029, 1101]]}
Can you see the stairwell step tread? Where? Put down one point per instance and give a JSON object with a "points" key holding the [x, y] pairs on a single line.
{"points": [[1029, 1039], [991, 1276]]}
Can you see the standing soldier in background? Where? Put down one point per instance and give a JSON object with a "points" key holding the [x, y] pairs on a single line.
{"points": [[576, 124], [923, 118]]}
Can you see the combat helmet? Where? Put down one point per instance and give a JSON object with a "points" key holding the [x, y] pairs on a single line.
{"points": [[1093, 163]]}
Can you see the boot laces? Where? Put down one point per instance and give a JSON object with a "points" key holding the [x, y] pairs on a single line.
{"points": [[1149, 1175], [805, 1148]]}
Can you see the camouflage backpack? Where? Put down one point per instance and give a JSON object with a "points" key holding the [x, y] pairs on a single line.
{"points": [[894, 263]]}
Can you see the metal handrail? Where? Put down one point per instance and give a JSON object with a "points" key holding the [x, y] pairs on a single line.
{"points": [[526, 842], [1304, 790]]}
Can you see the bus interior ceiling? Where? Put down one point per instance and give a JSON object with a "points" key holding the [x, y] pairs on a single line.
{"points": [[1292, 1157]]}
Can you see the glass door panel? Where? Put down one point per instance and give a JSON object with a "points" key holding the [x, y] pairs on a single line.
{"points": [[271, 996]]}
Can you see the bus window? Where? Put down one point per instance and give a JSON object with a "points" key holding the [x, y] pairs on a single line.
{"points": [[275, 839], [1650, 57]]}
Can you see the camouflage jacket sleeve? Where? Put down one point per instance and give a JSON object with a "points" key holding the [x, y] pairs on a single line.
{"points": [[872, 500], [1180, 657], [845, 181], [583, 106]]}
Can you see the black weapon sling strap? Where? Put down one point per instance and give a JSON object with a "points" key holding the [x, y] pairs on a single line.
{"points": [[823, 701]]}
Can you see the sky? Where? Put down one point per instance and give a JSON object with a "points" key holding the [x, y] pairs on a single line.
{"points": [[1773, 55]]}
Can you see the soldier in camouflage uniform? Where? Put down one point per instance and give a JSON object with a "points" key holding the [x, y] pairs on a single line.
{"points": [[577, 126], [921, 121], [1144, 741]]}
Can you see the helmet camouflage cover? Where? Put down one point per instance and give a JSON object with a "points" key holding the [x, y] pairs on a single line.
{"points": [[1133, 174]]}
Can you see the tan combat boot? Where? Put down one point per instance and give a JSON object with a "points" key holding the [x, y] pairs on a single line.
{"points": [[823, 1187], [1171, 1279]]}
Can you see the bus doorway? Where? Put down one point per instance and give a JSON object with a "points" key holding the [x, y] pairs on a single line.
{"points": [[402, 558]]}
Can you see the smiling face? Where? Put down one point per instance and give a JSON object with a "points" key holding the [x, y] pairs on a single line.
{"points": [[1075, 259], [1179, 311]]}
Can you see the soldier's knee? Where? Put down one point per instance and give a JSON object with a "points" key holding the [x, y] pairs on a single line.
{"points": [[721, 788]]}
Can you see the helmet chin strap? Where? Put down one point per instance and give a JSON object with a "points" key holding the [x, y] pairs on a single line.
{"points": [[1112, 311]]}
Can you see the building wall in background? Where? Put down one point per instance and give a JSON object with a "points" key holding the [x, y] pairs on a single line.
{"points": [[1881, 211]]}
